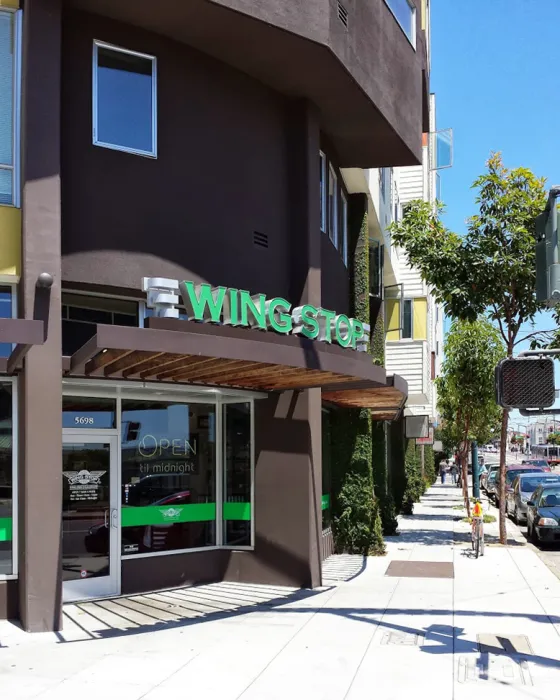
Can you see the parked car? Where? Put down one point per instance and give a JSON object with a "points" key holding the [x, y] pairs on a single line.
{"points": [[491, 468], [543, 514], [542, 463], [512, 471], [522, 489]]}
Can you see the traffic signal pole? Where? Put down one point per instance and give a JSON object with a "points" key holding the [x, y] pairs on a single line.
{"points": [[475, 470]]}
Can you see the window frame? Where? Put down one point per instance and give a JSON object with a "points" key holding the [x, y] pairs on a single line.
{"points": [[140, 307], [332, 222], [411, 336], [120, 391], [15, 479], [323, 190], [15, 168], [97, 44], [413, 23], [344, 226]]}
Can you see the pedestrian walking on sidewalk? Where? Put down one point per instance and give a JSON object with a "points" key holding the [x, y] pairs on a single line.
{"points": [[454, 471], [442, 472]]}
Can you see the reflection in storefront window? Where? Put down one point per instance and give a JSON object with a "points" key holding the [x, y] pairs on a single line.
{"points": [[237, 475], [326, 451], [168, 476], [6, 480], [82, 412], [5, 312]]}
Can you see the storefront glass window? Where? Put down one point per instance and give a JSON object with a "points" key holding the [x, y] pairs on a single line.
{"points": [[83, 412], [237, 475], [5, 312], [168, 476], [6, 481], [326, 464], [81, 313]]}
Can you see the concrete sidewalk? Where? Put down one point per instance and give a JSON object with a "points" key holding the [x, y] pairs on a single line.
{"points": [[427, 620]]}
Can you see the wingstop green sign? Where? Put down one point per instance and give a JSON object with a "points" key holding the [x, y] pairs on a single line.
{"points": [[237, 307]]}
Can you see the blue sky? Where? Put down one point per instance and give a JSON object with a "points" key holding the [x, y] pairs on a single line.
{"points": [[493, 72]]}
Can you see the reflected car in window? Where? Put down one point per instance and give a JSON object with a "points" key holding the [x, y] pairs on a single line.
{"points": [[97, 539]]}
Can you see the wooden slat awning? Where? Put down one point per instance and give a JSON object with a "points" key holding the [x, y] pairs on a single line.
{"points": [[203, 354], [23, 333]]}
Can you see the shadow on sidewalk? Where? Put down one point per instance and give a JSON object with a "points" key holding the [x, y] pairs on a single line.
{"points": [[437, 639]]}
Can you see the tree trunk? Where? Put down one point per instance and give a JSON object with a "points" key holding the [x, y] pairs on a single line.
{"points": [[502, 484], [465, 475]]}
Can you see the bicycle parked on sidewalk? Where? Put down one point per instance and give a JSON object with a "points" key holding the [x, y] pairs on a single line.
{"points": [[478, 529]]}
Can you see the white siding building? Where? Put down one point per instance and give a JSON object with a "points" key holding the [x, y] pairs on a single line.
{"points": [[413, 319]]}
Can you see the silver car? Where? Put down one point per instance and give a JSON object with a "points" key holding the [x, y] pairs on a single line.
{"points": [[521, 491]]}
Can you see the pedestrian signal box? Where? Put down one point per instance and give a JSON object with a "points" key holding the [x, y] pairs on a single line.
{"points": [[525, 382]]}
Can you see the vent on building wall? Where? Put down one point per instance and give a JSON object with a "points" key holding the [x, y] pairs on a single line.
{"points": [[342, 14], [260, 239]]}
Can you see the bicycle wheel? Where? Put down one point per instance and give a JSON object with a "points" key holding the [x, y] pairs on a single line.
{"points": [[481, 541], [477, 544]]}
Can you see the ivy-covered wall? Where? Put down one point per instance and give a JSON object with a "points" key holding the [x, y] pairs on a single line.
{"points": [[397, 476], [380, 470], [429, 465], [356, 521], [377, 323], [415, 485]]}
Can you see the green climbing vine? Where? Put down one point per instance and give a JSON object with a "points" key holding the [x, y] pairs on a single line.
{"points": [[429, 465], [357, 524], [381, 478], [415, 485], [396, 463], [378, 338]]}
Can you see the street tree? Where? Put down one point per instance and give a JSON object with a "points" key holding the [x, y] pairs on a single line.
{"points": [[466, 398], [489, 270]]}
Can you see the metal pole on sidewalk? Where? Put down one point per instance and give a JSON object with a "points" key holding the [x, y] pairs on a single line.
{"points": [[475, 470]]}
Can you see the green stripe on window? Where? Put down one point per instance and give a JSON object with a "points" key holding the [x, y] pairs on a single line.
{"points": [[237, 511], [167, 515], [325, 501], [5, 529]]}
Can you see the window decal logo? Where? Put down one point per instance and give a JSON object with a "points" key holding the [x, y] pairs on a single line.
{"points": [[84, 477], [170, 513]]}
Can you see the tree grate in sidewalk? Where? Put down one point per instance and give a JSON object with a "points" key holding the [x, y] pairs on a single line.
{"points": [[420, 569], [402, 639], [504, 644], [500, 670]]}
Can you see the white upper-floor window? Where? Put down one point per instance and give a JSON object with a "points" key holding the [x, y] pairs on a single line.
{"points": [[404, 12], [9, 106], [323, 189], [333, 206], [124, 100], [344, 227]]}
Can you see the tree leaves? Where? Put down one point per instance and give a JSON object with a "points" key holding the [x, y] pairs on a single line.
{"points": [[491, 269], [466, 398]]}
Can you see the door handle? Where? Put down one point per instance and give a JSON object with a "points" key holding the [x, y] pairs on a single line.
{"points": [[114, 518]]}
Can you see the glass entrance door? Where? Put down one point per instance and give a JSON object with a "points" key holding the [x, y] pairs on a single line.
{"points": [[90, 516]]}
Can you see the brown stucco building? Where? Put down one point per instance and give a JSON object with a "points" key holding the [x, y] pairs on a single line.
{"points": [[143, 145]]}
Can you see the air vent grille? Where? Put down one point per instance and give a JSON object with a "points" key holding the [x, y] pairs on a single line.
{"points": [[260, 239], [343, 14]]}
